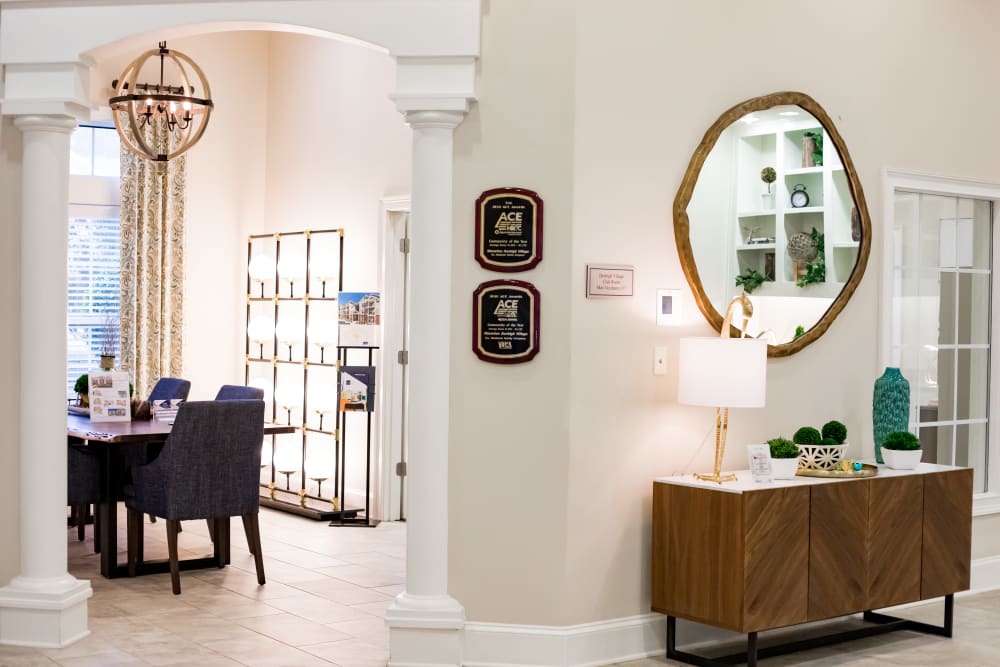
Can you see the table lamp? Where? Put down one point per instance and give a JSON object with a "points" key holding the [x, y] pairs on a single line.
{"points": [[722, 373]]}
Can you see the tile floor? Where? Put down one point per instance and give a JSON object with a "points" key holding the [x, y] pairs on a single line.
{"points": [[324, 602]]}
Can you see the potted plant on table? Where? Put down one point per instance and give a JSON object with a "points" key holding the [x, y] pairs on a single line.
{"points": [[109, 343], [901, 450], [784, 458], [82, 389], [821, 450]]}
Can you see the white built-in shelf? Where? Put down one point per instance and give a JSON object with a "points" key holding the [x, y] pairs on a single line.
{"points": [[804, 170], [756, 214], [804, 209], [848, 244], [757, 246]]}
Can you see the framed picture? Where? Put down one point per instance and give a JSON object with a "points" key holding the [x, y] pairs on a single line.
{"points": [[357, 389], [360, 315]]}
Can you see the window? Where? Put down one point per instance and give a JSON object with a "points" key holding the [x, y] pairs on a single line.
{"points": [[93, 261], [937, 302]]}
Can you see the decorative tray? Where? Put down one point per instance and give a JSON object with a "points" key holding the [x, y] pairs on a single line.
{"points": [[867, 470]]}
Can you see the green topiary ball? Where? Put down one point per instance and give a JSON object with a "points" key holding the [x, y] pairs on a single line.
{"points": [[830, 442], [807, 435], [835, 430], [782, 448], [901, 441]]}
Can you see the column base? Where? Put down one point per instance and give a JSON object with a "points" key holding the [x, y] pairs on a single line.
{"points": [[44, 613], [425, 631]]}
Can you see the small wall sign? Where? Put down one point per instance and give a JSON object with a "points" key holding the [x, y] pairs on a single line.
{"points": [[509, 229], [505, 321], [610, 280]]}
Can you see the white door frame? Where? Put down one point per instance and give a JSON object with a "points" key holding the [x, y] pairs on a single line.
{"points": [[392, 284]]}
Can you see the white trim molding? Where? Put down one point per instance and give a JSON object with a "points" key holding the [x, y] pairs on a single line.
{"points": [[584, 645]]}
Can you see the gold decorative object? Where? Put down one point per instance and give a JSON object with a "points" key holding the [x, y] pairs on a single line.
{"points": [[867, 470]]}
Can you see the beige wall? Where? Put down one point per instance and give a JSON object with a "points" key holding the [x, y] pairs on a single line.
{"points": [[510, 425], [10, 340], [603, 102]]}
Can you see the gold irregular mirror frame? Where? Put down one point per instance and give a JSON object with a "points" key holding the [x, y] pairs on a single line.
{"points": [[771, 204]]}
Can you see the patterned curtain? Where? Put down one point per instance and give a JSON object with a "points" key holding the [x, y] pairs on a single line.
{"points": [[152, 272]]}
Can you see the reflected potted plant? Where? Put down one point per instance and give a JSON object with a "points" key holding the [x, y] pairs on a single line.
{"points": [[769, 176], [901, 450], [82, 389]]}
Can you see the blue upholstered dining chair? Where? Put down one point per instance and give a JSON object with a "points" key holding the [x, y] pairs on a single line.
{"points": [[238, 392], [82, 468], [208, 469]]}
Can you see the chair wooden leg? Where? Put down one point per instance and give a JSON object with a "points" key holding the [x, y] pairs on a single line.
{"points": [[134, 522], [80, 518], [247, 529], [252, 527], [97, 530], [152, 519], [175, 570]]}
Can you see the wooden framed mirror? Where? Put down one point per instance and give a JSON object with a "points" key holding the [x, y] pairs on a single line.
{"points": [[771, 204]]}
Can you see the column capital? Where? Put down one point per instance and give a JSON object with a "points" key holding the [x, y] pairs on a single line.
{"points": [[46, 123], [447, 120]]}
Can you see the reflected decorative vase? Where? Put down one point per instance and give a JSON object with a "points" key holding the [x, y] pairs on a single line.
{"points": [[890, 407], [767, 201]]}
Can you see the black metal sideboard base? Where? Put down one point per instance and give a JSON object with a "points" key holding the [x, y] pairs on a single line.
{"points": [[881, 624]]}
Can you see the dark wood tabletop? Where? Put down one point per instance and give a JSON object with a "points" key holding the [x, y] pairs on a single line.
{"points": [[154, 430]]}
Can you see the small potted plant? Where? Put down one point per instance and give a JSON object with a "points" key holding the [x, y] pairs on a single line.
{"points": [[109, 343], [815, 452], [82, 389], [901, 450], [768, 175], [784, 458]]}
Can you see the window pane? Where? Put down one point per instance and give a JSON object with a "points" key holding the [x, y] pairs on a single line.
{"points": [[972, 390], [106, 152], [945, 379], [936, 441], [81, 149], [970, 451], [973, 308], [982, 215]]}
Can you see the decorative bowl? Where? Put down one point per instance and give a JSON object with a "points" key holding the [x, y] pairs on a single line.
{"points": [[899, 459], [821, 457]]}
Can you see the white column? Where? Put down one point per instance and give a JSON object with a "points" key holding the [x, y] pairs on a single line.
{"points": [[424, 621], [44, 605]]}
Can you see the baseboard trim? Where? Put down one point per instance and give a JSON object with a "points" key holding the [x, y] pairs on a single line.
{"points": [[584, 645], [616, 640]]}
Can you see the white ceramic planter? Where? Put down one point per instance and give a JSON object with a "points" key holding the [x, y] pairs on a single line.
{"points": [[899, 459], [821, 457], [784, 468]]}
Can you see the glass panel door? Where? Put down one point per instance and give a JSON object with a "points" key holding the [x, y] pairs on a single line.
{"points": [[940, 332]]}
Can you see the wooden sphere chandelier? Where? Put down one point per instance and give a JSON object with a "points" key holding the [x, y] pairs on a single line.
{"points": [[165, 119]]}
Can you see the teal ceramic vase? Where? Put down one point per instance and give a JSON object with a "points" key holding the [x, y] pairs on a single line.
{"points": [[890, 407]]}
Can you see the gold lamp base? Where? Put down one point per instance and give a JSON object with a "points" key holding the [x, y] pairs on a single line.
{"points": [[715, 477], [721, 427]]}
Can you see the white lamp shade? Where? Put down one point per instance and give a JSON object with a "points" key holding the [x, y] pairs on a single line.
{"points": [[323, 403], [292, 267], [288, 331], [261, 268], [319, 465], [722, 372], [323, 334], [260, 329], [288, 397], [323, 266], [287, 458]]}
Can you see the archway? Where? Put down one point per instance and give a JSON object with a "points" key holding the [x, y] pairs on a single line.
{"points": [[48, 59]]}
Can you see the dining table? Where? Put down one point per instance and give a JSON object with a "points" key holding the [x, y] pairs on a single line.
{"points": [[113, 442]]}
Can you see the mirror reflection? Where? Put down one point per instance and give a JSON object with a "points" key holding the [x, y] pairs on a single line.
{"points": [[772, 214]]}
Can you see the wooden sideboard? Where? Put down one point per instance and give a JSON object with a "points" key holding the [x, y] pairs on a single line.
{"points": [[750, 557]]}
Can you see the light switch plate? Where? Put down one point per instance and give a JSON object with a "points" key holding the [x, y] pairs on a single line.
{"points": [[659, 360]]}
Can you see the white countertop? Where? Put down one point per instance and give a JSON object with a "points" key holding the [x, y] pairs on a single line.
{"points": [[744, 482]]}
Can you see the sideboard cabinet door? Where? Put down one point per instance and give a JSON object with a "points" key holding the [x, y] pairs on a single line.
{"points": [[947, 543], [895, 520]]}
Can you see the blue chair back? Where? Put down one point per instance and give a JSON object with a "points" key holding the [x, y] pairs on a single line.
{"points": [[170, 389], [238, 392], [209, 466]]}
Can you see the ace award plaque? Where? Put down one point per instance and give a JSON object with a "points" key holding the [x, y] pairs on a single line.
{"points": [[505, 325], [508, 229]]}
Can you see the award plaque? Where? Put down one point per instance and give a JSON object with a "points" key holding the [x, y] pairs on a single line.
{"points": [[505, 317], [509, 229]]}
